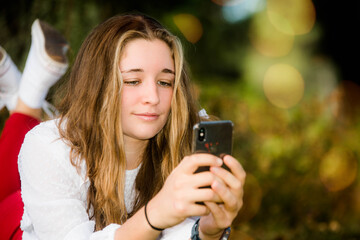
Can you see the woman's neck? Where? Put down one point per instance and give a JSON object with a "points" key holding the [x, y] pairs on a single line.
{"points": [[133, 151]]}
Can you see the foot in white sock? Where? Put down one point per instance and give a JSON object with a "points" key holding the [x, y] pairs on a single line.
{"points": [[45, 64], [9, 81]]}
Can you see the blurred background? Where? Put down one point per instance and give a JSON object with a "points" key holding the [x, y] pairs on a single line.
{"points": [[284, 71]]}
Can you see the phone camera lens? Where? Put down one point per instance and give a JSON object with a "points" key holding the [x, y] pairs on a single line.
{"points": [[201, 134]]}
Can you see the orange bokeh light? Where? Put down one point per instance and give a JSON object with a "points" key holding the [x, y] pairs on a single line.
{"points": [[293, 17], [338, 169], [283, 85], [267, 40], [190, 26]]}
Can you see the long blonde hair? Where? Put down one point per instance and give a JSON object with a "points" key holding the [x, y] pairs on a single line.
{"points": [[90, 118]]}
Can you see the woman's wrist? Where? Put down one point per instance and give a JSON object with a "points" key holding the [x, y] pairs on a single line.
{"points": [[148, 221], [197, 234], [216, 236], [155, 216]]}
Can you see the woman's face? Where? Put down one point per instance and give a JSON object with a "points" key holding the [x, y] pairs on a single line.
{"points": [[147, 68]]}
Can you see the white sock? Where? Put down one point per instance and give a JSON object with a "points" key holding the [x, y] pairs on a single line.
{"points": [[40, 73], [36, 80], [9, 82]]}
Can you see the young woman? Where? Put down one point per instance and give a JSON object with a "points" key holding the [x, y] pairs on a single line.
{"points": [[117, 164]]}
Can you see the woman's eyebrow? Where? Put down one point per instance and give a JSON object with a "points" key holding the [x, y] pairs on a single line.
{"points": [[166, 70], [133, 70]]}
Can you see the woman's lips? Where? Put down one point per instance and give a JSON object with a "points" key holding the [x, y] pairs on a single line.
{"points": [[147, 116]]}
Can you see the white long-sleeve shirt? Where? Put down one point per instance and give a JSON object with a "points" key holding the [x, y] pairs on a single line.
{"points": [[54, 192]]}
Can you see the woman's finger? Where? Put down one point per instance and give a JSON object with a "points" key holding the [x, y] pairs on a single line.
{"points": [[231, 201], [215, 209], [219, 215], [229, 179], [191, 163], [235, 167], [190, 209], [203, 179], [204, 194]]}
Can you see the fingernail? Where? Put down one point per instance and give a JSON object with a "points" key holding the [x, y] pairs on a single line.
{"points": [[219, 161]]}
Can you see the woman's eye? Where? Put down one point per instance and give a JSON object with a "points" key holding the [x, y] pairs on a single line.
{"points": [[131, 82], [165, 83]]}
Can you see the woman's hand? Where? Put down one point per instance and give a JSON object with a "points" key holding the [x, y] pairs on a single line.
{"points": [[177, 199], [230, 190]]}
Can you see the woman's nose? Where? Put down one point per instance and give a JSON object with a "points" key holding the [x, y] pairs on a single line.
{"points": [[150, 93]]}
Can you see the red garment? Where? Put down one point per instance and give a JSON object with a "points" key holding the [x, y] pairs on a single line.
{"points": [[11, 205]]}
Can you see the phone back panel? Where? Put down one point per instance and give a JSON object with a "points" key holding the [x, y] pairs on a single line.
{"points": [[216, 139]]}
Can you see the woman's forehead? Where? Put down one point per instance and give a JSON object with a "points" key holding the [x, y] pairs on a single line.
{"points": [[142, 54]]}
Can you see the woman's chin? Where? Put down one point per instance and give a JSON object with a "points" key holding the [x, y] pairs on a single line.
{"points": [[144, 135]]}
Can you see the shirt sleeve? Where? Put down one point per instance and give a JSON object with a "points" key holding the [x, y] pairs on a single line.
{"points": [[53, 193], [180, 231]]}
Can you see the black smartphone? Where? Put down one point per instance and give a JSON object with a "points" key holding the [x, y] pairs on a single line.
{"points": [[214, 137]]}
